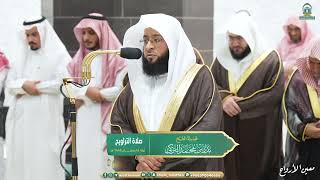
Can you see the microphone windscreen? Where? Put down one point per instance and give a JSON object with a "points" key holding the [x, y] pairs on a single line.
{"points": [[130, 53]]}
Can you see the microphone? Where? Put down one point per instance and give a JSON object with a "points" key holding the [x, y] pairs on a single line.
{"points": [[127, 53], [130, 53]]}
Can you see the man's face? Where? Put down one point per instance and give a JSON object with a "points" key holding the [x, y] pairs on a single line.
{"points": [[315, 67], [33, 38], [154, 45], [238, 46], [155, 58], [90, 39], [294, 33]]}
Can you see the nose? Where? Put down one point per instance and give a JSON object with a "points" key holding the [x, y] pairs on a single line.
{"points": [[29, 39], [236, 42], [85, 37], [149, 45], [293, 33]]}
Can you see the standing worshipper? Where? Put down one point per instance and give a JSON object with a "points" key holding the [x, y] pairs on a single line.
{"points": [[251, 82], [301, 105], [35, 125], [166, 73], [297, 36], [4, 66], [94, 101]]}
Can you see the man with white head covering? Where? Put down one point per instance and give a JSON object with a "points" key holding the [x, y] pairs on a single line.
{"points": [[301, 105], [95, 100], [167, 91], [250, 81], [297, 36], [35, 125]]}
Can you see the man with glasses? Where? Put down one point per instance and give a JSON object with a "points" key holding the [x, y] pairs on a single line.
{"points": [[166, 73]]}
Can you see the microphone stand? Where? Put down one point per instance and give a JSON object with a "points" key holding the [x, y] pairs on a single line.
{"points": [[73, 120], [86, 77]]}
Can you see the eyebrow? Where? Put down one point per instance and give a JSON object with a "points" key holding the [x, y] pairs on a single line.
{"points": [[154, 35], [235, 36]]}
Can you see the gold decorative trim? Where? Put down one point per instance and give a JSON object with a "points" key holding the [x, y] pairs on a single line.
{"points": [[235, 86], [137, 118], [314, 101], [225, 91], [211, 65], [304, 133], [199, 54], [174, 104], [177, 97], [232, 83], [268, 88], [213, 92], [116, 125], [284, 107]]}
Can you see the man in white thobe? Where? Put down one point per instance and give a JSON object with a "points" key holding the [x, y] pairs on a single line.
{"points": [[35, 126], [94, 101]]}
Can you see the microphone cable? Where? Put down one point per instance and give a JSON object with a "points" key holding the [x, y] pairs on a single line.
{"points": [[69, 176], [65, 143]]}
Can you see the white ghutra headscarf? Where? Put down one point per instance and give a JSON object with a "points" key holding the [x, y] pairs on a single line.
{"points": [[151, 98]]}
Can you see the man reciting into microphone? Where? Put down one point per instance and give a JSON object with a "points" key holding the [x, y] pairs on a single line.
{"points": [[35, 126], [168, 67], [94, 101]]}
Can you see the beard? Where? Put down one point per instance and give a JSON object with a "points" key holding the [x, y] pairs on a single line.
{"points": [[295, 40], [242, 55], [93, 48], [157, 68], [33, 46]]}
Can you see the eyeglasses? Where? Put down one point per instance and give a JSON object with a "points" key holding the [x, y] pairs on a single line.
{"points": [[155, 41]]}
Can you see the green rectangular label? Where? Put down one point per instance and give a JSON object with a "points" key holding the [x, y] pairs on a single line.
{"points": [[171, 144]]}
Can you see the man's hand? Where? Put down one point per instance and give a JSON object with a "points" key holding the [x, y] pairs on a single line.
{"points": [[94, 94], [312, 130], [318, 123], [149, 163], [143, 167], [230, 105], [31, 88]]}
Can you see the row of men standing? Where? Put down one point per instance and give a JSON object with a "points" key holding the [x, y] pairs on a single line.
{"points": [[249, 79], [35, 130]]}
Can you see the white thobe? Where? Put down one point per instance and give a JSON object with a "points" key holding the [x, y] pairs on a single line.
{"points": [[155, 85], [92, 160], [35, 127]]}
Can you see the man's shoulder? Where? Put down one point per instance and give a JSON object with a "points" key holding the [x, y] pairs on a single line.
{"points": [[204, 74], [271, 60], [204, 71], [296, 79], [273, 56], [125, 93]]}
